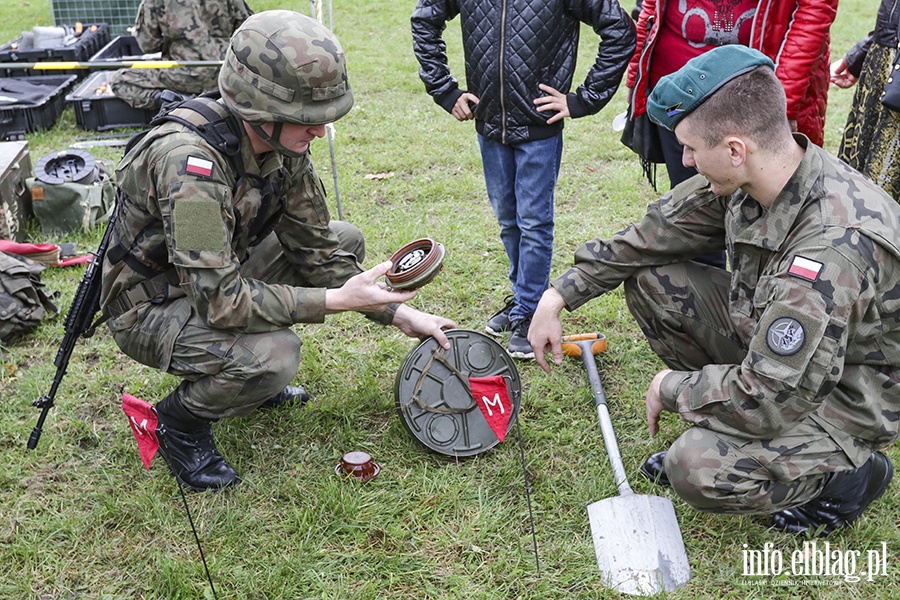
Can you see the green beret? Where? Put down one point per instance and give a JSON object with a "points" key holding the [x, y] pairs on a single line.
{"points": [[678, 94]]}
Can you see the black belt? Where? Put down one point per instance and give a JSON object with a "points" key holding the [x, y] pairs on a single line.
{"points": [[156, 290]]}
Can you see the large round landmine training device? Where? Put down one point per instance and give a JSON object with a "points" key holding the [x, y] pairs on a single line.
{"points": [[68, 166], [435, 403], [416, 264]]}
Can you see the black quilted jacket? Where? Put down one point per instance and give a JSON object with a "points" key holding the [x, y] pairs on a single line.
{"points": [[513, 45]]}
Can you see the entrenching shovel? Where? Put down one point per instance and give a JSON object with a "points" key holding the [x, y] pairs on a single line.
{"points": [[636, 537]]}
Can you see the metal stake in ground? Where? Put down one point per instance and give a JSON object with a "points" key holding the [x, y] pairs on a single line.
{"points": [[337, 193], [636, 537], [187, 510], [528, 491], [315, 8]]}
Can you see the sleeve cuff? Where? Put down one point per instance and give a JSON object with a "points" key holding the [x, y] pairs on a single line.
{"points": [[386, 317], [572, 287], [448, 100], [577, 109], [310, 306], [671, 388]]}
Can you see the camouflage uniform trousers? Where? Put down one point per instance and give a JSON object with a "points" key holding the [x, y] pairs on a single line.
{"points": [[225, 373], [139, 87], [683, 311]]}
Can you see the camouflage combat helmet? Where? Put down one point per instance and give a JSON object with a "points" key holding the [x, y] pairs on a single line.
{"points": [[284, 67]]}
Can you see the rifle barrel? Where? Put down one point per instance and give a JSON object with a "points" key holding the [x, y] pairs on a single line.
{"points": [[85, 305]]}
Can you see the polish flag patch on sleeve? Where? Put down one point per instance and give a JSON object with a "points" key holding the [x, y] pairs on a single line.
{"points": [[805, 268], [199, 167]]}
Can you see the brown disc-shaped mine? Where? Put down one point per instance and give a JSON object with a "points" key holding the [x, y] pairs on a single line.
{"points": [[416, 264], [358, 465]]}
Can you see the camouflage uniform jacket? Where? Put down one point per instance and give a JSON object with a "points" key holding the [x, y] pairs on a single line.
{"points": [[188, 29], [179, 195], [814, 299]]}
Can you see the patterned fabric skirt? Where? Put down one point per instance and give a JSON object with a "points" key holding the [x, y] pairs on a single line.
{"points": [[871, 141]]}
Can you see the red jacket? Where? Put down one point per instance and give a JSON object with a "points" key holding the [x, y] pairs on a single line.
{"points": [[793, 33]]}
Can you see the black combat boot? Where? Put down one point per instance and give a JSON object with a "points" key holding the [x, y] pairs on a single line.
{"points": [[289, 396], [186, 443], [843, 499], [654, 469]]}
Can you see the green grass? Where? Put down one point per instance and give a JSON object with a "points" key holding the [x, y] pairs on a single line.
{"points": [[81, 518]]}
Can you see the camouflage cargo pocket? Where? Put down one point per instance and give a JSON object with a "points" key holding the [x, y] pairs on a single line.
{"points": [[147, 332]]}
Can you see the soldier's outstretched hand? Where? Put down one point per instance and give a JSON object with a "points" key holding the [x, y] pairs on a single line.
{"points": [[365, 293], [545, 333], [418, 324]]}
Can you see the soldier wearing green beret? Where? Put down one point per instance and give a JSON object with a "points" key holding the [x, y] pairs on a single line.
{"points": [[787, 368], [223, 241]]}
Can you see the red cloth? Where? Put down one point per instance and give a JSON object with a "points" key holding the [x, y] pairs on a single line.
{"points": [[492, 397], [143, 421], [76, 260], [23, 249]]}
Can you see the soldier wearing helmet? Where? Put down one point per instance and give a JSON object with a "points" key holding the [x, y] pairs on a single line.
{"points": [[223, 241]]}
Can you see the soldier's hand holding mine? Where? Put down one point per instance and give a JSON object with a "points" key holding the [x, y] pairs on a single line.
{"points": [[364, 293]]}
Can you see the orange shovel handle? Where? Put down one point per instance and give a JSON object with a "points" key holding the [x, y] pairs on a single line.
{"points": [[572, 347]]}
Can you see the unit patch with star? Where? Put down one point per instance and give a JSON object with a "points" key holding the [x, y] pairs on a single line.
{"points": [[785, 336]]}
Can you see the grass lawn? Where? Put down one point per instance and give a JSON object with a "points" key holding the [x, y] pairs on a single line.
{"points": [[82, 518]]}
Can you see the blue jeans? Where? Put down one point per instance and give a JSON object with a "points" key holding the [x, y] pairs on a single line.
{"points": [[520, 180]]}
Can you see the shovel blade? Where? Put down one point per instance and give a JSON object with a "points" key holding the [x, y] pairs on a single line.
{"points": [[638, 544]]}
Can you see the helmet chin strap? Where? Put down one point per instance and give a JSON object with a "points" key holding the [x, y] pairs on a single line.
{"points": [[274, 139]]}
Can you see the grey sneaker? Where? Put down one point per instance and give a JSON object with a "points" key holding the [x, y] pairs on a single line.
{"points": [[500, 322], [518, 346]]}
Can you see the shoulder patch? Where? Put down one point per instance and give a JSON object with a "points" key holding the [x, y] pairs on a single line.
{"points": [[785, 336], [805, 268], [200, 167]]}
